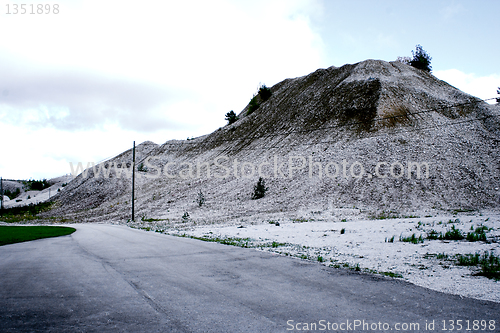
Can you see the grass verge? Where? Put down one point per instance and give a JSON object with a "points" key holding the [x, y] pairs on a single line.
{"points": [[15, 234]]}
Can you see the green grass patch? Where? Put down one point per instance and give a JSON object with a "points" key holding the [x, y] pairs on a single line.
{"points": [[392, 274], [488, 262], [15, 234], [412, 239], [234, 241], [450, 234], [478, 235], [145, 219], [461, 210]]}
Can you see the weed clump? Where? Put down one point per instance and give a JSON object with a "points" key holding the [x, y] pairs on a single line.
{"points": [[412, 239], [478, 235], [453, 234], [488, 262]]}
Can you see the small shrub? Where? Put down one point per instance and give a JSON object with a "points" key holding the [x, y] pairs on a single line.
{"points": [[342, 231], [253, 105], [498, 92], [142, 168], [421, 59], [231, 117], [320, 259], [185, 217], [264, 92], [200, 199], [391, 240], [260, 189], [453, 234]]}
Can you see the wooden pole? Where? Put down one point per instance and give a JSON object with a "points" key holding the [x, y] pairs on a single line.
{"points": [[1, 193], [133, 181]]}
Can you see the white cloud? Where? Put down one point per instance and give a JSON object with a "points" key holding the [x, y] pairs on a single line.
{"points": [[100, 74], [484, 87]]}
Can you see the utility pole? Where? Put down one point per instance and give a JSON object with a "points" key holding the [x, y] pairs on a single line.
{"points": [[133, 181], [1, 193]]}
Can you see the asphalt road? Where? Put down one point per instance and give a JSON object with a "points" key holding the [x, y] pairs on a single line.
{"points": [[106, 278]]}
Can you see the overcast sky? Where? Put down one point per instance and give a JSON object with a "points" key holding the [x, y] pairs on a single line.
{"points": [[83, 84]]}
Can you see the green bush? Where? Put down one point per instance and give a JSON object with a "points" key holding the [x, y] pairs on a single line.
{"points": [[421, 59], [259, 190], [231, 117], [453, 234], [264, 92], [253, 105]]}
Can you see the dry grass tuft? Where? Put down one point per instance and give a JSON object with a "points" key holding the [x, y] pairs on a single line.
{"points": [[395, 113]]}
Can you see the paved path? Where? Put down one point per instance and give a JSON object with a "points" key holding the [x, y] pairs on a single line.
{"points": [[106, 278]]}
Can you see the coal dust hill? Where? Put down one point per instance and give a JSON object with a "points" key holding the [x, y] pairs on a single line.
{"points": [[369, 138]]}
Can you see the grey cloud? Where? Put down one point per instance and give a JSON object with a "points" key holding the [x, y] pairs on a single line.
{"points": [[77, 100]]}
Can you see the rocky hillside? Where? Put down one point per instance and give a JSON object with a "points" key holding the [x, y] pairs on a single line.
{"points": [[334, 128]]}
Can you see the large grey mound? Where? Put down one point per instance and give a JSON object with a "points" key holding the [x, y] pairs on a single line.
{"points": [[370, 112]]}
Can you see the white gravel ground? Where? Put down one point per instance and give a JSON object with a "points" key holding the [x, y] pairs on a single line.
{"points": [[367, 243]]}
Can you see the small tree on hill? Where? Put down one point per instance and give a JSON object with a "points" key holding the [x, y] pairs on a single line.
{"points": [[421, 59], [264, 92], [201, 198], [259, 190], [231, 117], [498, 92], [253, 105]]}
